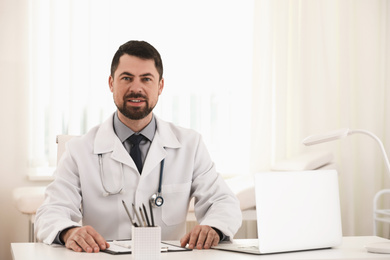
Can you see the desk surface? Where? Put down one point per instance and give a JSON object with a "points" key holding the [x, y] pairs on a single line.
{"points": [[351, 248]]}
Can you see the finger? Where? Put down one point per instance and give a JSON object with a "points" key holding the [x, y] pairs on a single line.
{"points": [[68, 238], [216, 240], [96, 240], [202, 236], [184, 240], [84, 241], [91, 245], [71, 244], [194, 237], [211, 235]]}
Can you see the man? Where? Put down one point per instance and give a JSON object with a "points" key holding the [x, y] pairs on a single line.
{"points": [[97, 172]]}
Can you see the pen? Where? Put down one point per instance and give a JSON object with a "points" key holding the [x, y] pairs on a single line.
{"points": [[142, 216], [122, 244], [136, 214], [128, 214], [151, 213], [146, 214]]}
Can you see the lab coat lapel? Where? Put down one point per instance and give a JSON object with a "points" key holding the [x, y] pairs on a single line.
{"points": [[106, 141], [163, 139], [120, 154]]}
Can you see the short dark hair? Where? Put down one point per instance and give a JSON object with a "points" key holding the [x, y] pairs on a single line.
{"points": [[140, 49]]}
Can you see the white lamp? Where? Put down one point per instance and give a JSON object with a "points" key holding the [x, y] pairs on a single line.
{"points": [[334, 135]]}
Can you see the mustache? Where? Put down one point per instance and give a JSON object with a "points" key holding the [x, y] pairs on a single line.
{"points": [[135, 95]]}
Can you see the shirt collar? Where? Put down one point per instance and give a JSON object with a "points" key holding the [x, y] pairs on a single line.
{"points": [[123, 132]]}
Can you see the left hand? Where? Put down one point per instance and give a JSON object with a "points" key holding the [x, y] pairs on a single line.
{"points": [[202, 236]]}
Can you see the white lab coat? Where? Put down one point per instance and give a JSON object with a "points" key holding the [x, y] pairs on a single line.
{"points": [[76, 194]]}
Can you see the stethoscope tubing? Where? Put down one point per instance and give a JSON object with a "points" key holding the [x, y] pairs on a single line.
{"points": [[161, 176], [120, 189], [106, 191]]}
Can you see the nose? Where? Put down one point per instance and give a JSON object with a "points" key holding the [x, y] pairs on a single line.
{"points": [[136, 86]]}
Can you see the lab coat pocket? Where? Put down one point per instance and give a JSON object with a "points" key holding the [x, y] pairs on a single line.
{"points": [[176, 200]]}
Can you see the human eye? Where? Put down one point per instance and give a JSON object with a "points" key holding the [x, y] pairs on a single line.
{"points": [[126, 78], [146, 79]]}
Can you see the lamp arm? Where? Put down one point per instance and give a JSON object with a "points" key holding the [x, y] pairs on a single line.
{"points": [[386, 159]]}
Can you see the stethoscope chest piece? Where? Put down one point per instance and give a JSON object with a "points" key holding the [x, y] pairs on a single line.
{"points": [[156, 200]]}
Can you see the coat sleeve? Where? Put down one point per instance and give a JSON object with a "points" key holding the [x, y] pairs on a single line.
{"points": [[215, 204], [62, 206]]}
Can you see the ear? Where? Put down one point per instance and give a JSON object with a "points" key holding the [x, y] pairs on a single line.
{"points": [[160, 86], [110, 83]]}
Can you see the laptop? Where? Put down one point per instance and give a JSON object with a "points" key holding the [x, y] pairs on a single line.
{"points": [[296, 211]]}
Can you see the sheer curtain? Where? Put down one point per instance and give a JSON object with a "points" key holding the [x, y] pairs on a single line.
{"points": [[206, 47], [317, 66], [320, 66]]}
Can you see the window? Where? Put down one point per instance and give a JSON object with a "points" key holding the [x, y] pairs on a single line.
{"points": [[206, 47]]}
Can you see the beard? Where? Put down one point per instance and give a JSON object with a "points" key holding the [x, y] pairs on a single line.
{"points": [[135, 113]]}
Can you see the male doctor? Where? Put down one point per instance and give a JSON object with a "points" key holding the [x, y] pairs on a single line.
{"points": [[97, 170]]}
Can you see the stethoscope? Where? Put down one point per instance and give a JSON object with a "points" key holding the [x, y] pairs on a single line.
{"points": [[156, 199]]}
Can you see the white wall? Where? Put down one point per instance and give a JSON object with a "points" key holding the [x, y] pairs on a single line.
{"points": [[14, 121]]}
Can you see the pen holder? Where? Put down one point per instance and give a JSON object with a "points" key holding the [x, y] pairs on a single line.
{"points": [[146, 242]]}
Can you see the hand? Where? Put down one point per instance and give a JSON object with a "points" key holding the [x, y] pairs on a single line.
{"points": [[84, 238], [201, 236]]}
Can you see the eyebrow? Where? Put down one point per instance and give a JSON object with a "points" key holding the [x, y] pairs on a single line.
{"points": [[126, 73], [142, 75]]}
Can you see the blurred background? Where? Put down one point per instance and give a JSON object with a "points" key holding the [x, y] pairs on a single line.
{"points": [[268, 71]]}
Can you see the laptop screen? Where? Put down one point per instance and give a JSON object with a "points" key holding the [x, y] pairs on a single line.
{"points": [[297, 210]]}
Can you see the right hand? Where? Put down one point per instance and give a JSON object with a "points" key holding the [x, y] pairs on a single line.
{"points": [[84, 239]]}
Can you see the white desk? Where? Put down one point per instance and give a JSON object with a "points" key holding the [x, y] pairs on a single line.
{"points": [[352, 248]]}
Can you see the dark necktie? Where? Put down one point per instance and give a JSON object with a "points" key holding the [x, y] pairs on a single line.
{"points": [[135, 152]]}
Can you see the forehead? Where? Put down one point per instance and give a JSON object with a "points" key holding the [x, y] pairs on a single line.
{"points": [[135, 65]]}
